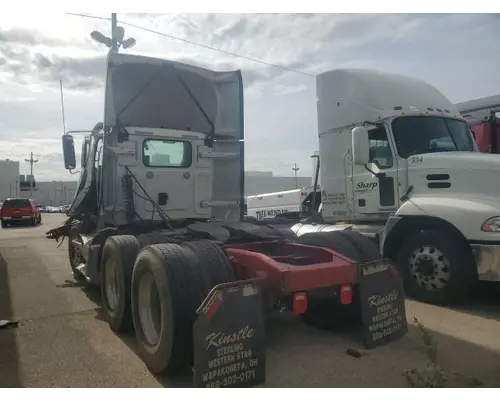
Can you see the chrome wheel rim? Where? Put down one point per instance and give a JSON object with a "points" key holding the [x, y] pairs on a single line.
{"points": [[150, 309], [430, 268], [111, 284]]}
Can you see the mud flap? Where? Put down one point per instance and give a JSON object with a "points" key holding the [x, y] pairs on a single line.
{"points": [[382, 303], [229, 337]]}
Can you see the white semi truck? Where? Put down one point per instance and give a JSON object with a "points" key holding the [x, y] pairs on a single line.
{"points": [[157, 224], [398, 163], [285, 204]]}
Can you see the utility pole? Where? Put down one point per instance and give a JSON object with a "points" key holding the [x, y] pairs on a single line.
{"points": [[32, 161], [295, 169], [114, 23]]}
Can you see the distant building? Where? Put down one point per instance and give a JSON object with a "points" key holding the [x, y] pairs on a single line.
{"points": [[57, 193], [9, 179], [13, 184], [267, 174]]}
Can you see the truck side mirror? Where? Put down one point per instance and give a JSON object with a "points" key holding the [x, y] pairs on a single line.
{"points": [[69, 152], [360, 146]]}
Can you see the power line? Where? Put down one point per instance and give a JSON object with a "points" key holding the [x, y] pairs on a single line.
{"points": [[196, 44], [90, 16]]}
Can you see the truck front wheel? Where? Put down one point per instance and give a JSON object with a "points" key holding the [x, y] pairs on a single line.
{"points": [[437, 267]]}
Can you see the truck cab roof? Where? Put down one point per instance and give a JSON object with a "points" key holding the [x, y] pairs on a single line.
{"points": [[348, 97]]}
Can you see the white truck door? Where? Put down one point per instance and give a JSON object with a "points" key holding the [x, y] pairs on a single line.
{"points": [[377, 195]]}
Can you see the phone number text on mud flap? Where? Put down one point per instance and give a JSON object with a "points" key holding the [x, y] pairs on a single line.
{"points": [[242, 377], [384, 322], [387, 332], [230, 366]]}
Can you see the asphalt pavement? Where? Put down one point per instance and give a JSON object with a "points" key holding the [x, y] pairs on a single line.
{"points": [[63, 340]]}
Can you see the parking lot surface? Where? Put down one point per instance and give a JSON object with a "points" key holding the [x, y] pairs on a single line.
{"points": [[62, 339]]}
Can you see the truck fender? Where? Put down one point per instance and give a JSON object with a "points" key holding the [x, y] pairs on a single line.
{"points": [[448, 214]]}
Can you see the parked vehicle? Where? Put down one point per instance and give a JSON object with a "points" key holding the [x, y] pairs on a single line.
{"points": [[16, 211], [399, 164], [158, 224], [482, 116], [51, 209], [287, 204], [64, 209]]}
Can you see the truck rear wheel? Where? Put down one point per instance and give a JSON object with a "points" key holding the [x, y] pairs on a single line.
{"points": [[329, 313], [169, 283], [212, 263], [365, 247], [284, 231], [437, 268], [117, 263], [333, 240]]}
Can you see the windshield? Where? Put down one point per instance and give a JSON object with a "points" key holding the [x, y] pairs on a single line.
{"points": [[17, 203], [418, 135]]}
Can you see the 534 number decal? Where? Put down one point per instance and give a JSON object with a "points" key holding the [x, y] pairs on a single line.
{"points": [[416, 160]]}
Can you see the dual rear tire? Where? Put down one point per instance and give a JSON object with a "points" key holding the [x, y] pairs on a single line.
{"points": [[158, 293]]}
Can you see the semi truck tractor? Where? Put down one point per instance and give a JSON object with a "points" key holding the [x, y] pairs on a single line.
{"points": [[290, 204], [398, 163], [482, 116], [157, 223]]}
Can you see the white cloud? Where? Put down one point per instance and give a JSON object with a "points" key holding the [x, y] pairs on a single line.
{"points": [[452, 52]]}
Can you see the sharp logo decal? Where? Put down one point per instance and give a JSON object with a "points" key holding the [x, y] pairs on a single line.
{"points": [[364, 187]]}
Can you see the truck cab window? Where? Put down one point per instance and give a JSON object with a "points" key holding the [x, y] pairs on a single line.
{"points": [[421, 134], [380, 150], [98, 154], [166, 153]]}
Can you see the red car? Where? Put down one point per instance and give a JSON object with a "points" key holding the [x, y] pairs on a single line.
{"points": [[16, 211]]}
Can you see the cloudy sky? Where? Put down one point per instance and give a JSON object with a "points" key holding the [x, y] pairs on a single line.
{"points": [[459, 54]]}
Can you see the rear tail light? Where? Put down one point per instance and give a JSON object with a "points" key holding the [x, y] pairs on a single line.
{"points": [[299, 302], [346, 294]]}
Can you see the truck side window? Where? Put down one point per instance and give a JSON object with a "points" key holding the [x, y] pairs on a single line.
{"points": [[166, 153], [98, 154], [380, 150]]}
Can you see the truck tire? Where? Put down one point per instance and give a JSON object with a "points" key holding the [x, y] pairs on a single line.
{"points": [[147, 239], [324, 313], [117, 263], [4, 224], [366, 248], [333, 240], [437, 267], [284, 231], [212, 263], [164, 304]]}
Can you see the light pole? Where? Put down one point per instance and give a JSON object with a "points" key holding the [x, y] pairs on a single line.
{"points": [[32, 161], [295, 169], [116, 40]]}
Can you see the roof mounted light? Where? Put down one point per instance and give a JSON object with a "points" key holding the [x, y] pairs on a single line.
{"points": [[115, 41], [128, 43]]}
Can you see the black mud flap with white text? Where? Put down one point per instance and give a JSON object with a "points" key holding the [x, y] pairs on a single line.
{"points": [[382, 303], [229, 337]]}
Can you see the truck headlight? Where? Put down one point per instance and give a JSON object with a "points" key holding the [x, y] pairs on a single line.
{"points": [[491, 225]]}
